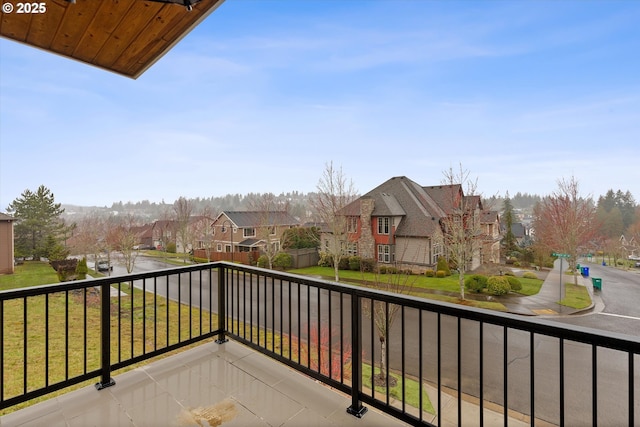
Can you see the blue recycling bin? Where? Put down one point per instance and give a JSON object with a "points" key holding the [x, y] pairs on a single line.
{"points": [[585, 271]]}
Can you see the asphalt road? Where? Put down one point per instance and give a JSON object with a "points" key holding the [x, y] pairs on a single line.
{"points": [[618, 304]]}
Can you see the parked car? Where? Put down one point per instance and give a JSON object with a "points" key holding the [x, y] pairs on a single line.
{"points": [[104, 266]]}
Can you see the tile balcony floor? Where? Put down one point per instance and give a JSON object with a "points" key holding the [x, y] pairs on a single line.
{"points": [[224, 385], [210, 385]]}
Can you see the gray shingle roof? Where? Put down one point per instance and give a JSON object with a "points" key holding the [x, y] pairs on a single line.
{"points": [[400, 196], [256, 218]]}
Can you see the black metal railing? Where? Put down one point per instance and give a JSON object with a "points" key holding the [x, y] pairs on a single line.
{"points": [[403, 355], [55, 336]]}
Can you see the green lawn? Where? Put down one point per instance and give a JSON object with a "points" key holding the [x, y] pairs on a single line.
{"points": [[411, 390], [576, 296], [31, 273], [441, 289]]}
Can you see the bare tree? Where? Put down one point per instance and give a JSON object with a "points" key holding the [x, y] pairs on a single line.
{"points": [[125, 238], [565, 221], [267, 209], [461, 225], [182, 209], [399, 281], [86, 236], [334, 193], [203, 229]]}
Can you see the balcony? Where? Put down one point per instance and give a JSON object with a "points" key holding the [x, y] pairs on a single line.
{"points": [[269, 348]]}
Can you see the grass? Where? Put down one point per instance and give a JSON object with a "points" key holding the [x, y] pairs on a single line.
{"points": [[31, 273], [437, 288], [412, 389], [576, 296]]}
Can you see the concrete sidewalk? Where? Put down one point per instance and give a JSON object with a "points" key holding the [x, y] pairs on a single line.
{"points": [[545, 302]]}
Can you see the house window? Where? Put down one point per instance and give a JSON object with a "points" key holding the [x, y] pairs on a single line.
{"points": [[227, 248], [384, 253], [437, 253], [352, 224], [224, 228], [383, 225], [352, 249], [272, 230], [249, 232], [219, 247], [200, 244]]}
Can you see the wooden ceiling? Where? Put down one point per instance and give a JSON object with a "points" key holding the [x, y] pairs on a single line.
{"points": [[123, 36]]}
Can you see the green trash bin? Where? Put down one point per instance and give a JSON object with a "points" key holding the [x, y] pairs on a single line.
{"points": [[597, 283], [578, 267]]}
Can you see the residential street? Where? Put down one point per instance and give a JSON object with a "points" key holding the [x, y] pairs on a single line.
{"points": [[617, 306]]}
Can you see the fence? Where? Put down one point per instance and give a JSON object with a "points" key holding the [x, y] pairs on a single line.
{"points": [[348, 337]]}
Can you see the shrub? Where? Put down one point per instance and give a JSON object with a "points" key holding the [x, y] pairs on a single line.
{"points": [[171, 248], [498, 285], [392, 270], [429, 273], [475, 283], [367, 264], [529, 275], [82, 269], [441, 273], [65, 268], [263, 261], [199, 260], [344, 263], [282, 260], [514, 283], [382, 269], [354, 263], [325, 260], [509, 273], [443, 265]]}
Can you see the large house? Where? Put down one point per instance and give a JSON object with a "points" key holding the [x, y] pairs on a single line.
{"points": [[6, 244], [491, 237], [250, 231], [404, 223]]}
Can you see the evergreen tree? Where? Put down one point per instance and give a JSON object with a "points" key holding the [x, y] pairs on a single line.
{"points": [[38, 218], [617, 211], [507, 214]]}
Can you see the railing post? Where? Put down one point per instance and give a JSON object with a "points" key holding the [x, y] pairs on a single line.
{"points": [[222, 295], [105, 337], [356, 409]]}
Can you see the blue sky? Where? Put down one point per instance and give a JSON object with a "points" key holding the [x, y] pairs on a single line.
{"points": [[263, 94]]}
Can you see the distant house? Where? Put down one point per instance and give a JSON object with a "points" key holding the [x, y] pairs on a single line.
{"points": [[402, 222], [163, 233], [631, 247], [250, 231], [521, 234], [490, 237], [144, 236], [6, 244]]}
